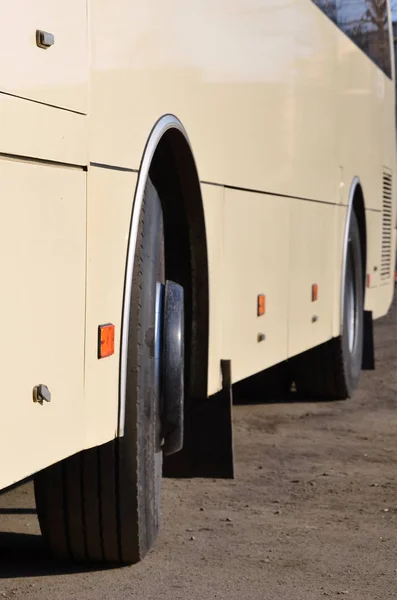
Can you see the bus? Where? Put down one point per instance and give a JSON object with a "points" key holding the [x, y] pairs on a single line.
{"points": [[195, 194]]}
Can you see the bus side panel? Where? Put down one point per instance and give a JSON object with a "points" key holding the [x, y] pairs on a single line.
{"points": [[256, 261], [312, 259], [254, 85], [213, 203], [56, 75], [42, 250], [33, 129], [379, 292], [110, 199], [366, 137], [338, 251], [366, 149], [374, 244]]}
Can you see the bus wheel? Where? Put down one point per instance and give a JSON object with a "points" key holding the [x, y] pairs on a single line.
{"points": [[332, 371], [103, 504]]}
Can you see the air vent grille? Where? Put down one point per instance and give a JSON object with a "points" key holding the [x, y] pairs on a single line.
{"points": [[387, 225]]}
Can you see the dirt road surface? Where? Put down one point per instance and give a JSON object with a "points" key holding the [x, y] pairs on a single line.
{"points": [[311, 514]]}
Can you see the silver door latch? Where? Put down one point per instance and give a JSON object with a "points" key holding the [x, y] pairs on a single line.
{"points": [[41, 393], [44, 39]]}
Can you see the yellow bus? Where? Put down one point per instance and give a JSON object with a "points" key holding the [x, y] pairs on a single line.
{"points": [[194, 194]]}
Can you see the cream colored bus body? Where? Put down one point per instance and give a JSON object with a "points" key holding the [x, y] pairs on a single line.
{"points": [[282, 111]]}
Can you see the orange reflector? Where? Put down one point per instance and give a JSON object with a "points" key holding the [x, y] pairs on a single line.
{"points": [[369, 280], [261, 305], [105, 340], [314, 292]]}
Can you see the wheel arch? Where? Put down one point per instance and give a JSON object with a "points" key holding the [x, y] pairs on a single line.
{"points": [[359, 210], [356, 203], [169, 161]]}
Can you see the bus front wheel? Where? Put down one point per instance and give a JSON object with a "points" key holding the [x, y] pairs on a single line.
{"points": [[103, 504]]}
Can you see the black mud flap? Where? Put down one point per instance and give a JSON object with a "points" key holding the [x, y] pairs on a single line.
{"points": [[208, 436], [368, 362]]}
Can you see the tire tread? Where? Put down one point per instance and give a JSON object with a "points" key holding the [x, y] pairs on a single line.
{"points": [[90, 505]]}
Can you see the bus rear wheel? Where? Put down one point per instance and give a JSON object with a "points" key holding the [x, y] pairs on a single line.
{"points": [[332, 370], [103, 504]]}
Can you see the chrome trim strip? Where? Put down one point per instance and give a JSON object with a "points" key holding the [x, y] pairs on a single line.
{"points": [[355, 183], [160, 128]]}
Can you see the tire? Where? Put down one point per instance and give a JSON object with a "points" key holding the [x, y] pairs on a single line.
{"points": [[332, 370], [103, 504]]}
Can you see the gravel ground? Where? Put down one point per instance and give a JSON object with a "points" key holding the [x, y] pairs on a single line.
{"points": [[311, 514]]}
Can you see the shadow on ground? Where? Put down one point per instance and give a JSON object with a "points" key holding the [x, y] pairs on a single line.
{"points": [[273, 386], [25, 555]]}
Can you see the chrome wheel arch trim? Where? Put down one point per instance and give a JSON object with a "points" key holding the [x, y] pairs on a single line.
{"points": [[356, 182], [164, 124]]}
